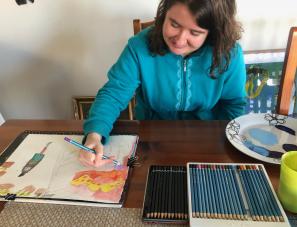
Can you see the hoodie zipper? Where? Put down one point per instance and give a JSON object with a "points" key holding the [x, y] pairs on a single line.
{"points": [[183, 85]]}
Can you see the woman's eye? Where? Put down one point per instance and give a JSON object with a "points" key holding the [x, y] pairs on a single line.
{"points": [[194, 33], [174, 24]]}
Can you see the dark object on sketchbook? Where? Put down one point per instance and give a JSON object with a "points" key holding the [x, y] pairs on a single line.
{"points": [[166, 195], [22, 2]]}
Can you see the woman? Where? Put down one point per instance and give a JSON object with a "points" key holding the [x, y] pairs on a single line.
{"points": [[187, 66]]}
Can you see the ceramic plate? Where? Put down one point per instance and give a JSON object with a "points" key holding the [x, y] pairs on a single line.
{"points": [[265, 137]]}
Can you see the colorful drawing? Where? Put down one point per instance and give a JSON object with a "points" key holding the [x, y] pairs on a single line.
{"points": [[4, 167], [40, 192], [104, 185], [26, 191], [5, 189], [37, 157]]}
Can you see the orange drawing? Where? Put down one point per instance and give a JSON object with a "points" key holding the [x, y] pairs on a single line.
{"points": [[104, 185], [4, 167], [26, 191], [40, 192], [5, 188]]}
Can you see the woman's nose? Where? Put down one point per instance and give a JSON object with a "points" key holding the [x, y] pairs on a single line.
{"points": [[181, 38]]}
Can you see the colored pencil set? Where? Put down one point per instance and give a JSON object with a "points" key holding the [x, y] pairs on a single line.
{"points": [[234, 192], [166, 195]]}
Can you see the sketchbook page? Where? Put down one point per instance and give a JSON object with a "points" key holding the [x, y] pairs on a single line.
{"points": [[55, 172], [72, 180], [27, 172]]}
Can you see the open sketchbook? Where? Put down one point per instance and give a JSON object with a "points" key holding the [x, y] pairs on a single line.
{"points": [[42, 167]]}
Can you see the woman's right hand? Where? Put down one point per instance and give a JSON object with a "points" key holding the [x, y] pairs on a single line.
{"points": [[89, 159]]}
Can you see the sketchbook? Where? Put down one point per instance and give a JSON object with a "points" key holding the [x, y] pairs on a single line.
{"points": [[41, 167]]}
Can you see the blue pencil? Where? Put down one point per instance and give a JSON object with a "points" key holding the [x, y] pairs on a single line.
{"points": [[212, 192], [262, 202], [241, 203], [269, 191], [222, 193], [88, 149], [219, 195], [246, 190], [232, 214], [235, 203], [225, 192], [193, 192]]}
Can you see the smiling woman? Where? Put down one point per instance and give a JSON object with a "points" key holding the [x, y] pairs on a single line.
{"points": [[181, 32], [188, 65]]}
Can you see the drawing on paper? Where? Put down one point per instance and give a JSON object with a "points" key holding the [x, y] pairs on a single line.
{"points": [[37, 157], [60, 176], [40, 192], [26, 191], [103, 185], [5, 189], [4, 167]]}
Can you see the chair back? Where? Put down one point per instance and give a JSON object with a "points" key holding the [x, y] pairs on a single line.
{"points": [[137, 27], [288, 74]]}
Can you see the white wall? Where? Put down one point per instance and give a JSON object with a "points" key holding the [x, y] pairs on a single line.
{"points": [[54, 49]]}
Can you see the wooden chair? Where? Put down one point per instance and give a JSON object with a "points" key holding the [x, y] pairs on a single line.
{"points": [[288, 74], [82, 104], [137, 27]]}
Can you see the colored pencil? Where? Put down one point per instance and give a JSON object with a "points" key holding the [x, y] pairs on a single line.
{"points": [[88, 149], [253, 208], [243, 212], [270, 194]]}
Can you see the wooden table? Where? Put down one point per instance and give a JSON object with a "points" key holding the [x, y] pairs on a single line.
{"points": [[161, 143]]}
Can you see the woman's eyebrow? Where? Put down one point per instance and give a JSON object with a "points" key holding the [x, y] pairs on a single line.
{"points": [[193, 30]]}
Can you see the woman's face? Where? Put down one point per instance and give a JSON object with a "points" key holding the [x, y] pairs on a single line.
{"points": [[180, 31]]}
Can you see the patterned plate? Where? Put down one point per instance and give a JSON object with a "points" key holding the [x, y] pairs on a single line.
{"points": [[265, 137]]}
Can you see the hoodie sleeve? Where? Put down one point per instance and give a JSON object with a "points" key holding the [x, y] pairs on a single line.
{"points": [[233, 98], [114, 96]]}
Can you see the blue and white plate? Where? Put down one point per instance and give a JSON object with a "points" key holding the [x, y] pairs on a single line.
{"points": [[265, 137]]}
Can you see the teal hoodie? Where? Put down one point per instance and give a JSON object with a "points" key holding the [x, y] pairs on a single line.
{"points": [[168, 87]]}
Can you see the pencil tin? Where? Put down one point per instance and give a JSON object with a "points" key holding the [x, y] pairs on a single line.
{"points": [[165, 198], [232, 195]]}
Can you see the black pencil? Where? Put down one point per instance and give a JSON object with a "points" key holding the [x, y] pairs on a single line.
{"points": [[166, 196], [176, 199], [181, 195], [154, 207], [169, 192], [149, 194], [156, 197], [162, 193], [185, 193]]}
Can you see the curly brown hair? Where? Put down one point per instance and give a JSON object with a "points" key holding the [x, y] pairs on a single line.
{"points": [[217, 16]]}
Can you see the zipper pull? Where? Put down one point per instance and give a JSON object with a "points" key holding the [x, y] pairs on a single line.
{"points": [[185, 65]]}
